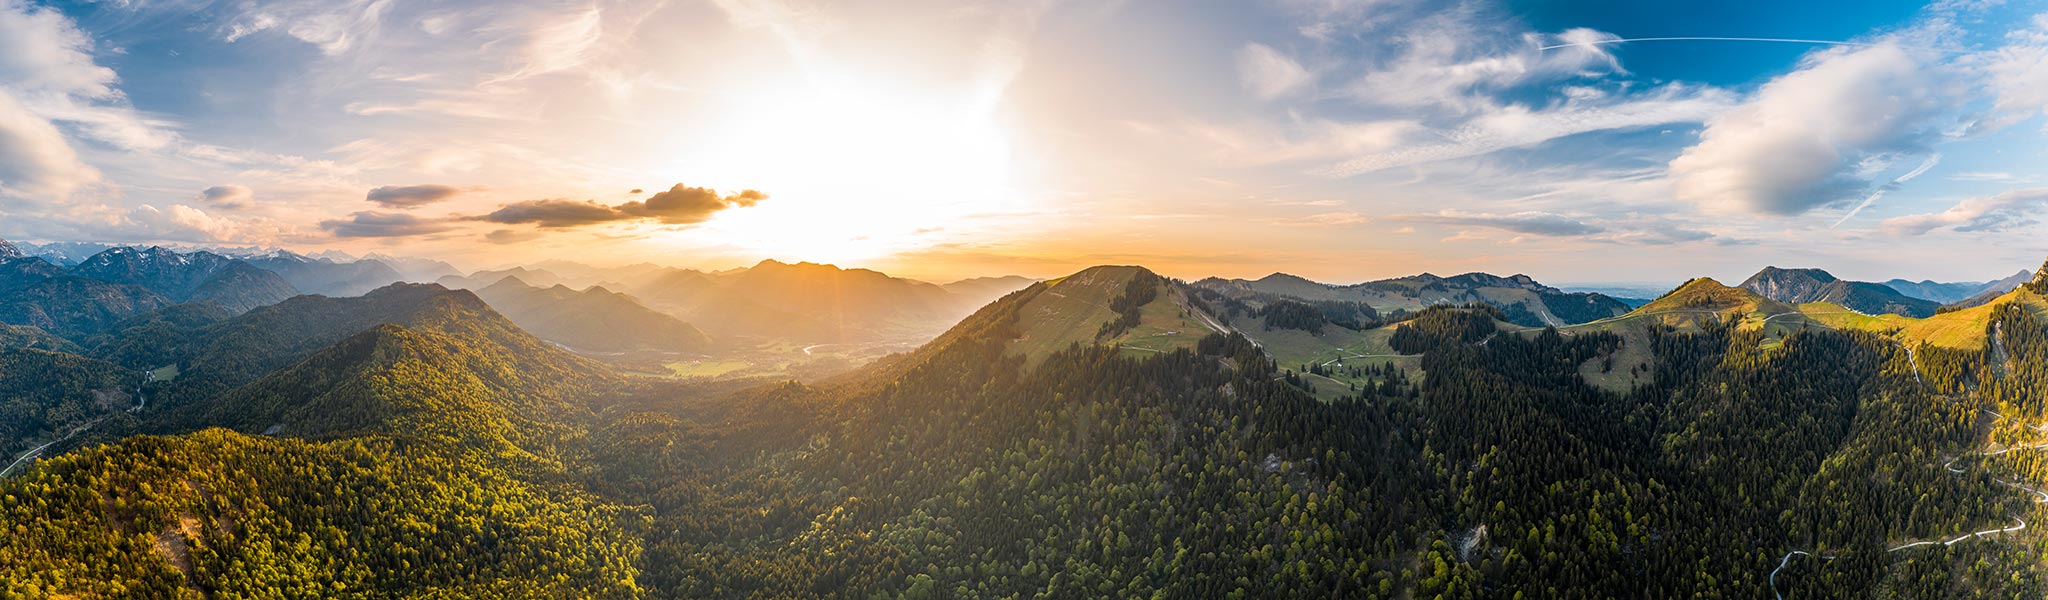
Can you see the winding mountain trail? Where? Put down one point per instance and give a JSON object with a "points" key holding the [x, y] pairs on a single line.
{"points": [[1341, 358], [1950, 465]]}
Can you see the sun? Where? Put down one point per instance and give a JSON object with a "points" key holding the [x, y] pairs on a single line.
{"points": [[856, 168]]}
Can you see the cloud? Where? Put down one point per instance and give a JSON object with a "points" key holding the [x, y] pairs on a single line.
{"points": [[1894, 185], [1803, 141], [228, 196], [509, 236], [1515, 126], [1267, 73], [35, 159], [46, 67], [1529, 222], [554, 213], [46, 64], [1662, 234], [2017, 75], [411, 196], [40, 49], [1328, 219], [560, 44], [335, 26], [2004, 211], [1454, 62], [184, 224], [1982, 176], [1444, 85], [373, 224], [684, 205], [680, 205]]}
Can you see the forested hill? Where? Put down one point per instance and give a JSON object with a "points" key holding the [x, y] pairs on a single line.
{"points": [[1061, 444]]}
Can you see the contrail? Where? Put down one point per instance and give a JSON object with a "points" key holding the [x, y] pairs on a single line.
{"points": [[1924, 166], [1706, 39]]}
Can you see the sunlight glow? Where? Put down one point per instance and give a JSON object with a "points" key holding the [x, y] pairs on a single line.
{"points": [[857, 168]]}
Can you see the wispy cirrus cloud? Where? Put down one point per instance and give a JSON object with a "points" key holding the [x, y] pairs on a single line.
{"points": [[1529, 222], [1999, 212], [1268, 73]]}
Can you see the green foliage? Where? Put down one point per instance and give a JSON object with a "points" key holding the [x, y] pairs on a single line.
{"points": [[48, 395], [222, 514], [1139, 290]]}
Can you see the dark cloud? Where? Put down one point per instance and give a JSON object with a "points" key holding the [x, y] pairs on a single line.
{"points": [[227, 196], [508, 236], [411, 196], [1530, 222], [637, 191], [684, 205], [680, 205], [555, 212], [381, 224]]}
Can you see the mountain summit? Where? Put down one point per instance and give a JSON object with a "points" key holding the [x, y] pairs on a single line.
{"points": [[1804, 286]]}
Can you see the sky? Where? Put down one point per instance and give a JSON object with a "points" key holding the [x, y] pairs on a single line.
{"points": [[1334, 139]]}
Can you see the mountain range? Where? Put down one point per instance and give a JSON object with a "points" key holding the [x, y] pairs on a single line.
{"points": [[327, 277], [1113, 432], [100, 291]]}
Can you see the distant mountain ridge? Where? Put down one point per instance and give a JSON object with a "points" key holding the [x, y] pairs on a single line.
{"points": [[593, 319], [327, 277], [812, 302], [1958, 291], [1524, 300], [1803, 286]]}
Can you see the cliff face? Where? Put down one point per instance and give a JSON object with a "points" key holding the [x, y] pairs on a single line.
{"points": [[1789, 285]]}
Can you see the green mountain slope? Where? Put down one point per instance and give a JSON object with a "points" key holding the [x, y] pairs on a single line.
{"points": [[23, 336], [220, 514], [390, 379], [48, 396], [76, 307]]}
